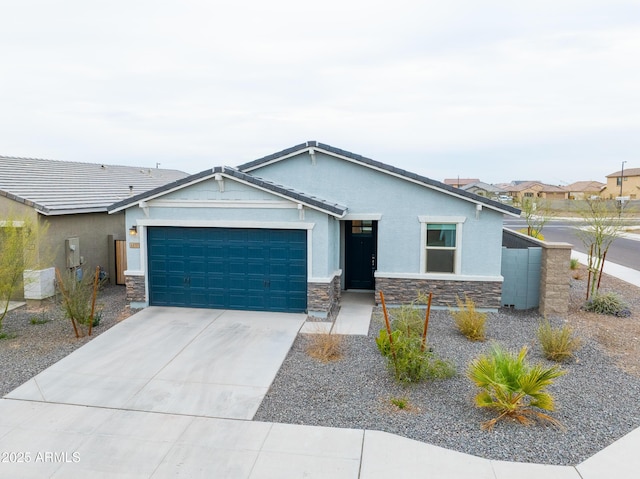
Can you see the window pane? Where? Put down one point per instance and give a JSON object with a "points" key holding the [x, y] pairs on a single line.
{"points": [[440, 260], [361, 226], [441, 235]]}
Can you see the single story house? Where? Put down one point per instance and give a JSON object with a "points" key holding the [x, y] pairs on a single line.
{"points": [[290, 231], [581, 190], [535, 189], [72, 198], [483, 189]]}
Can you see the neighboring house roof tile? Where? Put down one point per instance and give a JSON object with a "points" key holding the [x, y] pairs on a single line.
{"points": [[585, 186], [311, 201], [542, 187], [460, 182], [61, 187], [483, 186], [627, 172], [380, 166]]}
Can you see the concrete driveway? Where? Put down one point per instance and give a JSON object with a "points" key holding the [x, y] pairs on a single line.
{"points": [[200, 362]]}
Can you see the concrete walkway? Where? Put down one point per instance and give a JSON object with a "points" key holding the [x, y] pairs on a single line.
{"points": [[137, 403]]}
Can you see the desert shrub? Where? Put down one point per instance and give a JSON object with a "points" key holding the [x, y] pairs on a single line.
{"points": [[608, 303], [77, 298], [574, 263], [325, 347], [558, 344], [408, 361], [512, 387], [409, 319], [469, 321]]}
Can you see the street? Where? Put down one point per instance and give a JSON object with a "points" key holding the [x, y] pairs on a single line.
{"points": [[624, 251]]}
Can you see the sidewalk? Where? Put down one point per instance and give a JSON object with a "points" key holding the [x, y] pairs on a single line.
{"points": [[622, 272]]}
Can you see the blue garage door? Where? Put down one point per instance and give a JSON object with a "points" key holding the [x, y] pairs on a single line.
{"points": [[228, 268]]}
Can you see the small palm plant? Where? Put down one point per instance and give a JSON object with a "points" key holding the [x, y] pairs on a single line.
{"points": [[512, 387]]}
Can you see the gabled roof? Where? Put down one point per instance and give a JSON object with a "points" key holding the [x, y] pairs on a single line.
{"points": [[63, 187], [627, 172], [460, 182], [376, 165], [483, 186], [585, 186], [543, 187], [229, 172]]}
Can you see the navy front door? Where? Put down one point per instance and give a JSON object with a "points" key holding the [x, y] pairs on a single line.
{"points": [[228, 268], [360, 254]]}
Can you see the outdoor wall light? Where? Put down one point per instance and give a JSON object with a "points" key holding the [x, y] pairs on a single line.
{"points": [[133, 231]]}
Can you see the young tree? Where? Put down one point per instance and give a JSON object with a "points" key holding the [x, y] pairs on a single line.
{"points": [[536, 212], [20, 250], [602, 226]]}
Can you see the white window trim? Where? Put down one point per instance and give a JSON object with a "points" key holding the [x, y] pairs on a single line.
{"points": [[458, 221]]}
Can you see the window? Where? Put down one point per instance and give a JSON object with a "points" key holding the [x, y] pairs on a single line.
{"points": [[441, 248], [441, 244], [361, 227]]}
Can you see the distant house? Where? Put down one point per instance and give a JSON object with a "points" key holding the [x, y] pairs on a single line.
{"points": [[483, 189], [581, 190], [291, 230], [630, 184], [72, 198], [535, 189], [460, 182]]}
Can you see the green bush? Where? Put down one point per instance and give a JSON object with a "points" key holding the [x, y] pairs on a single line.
{"points": [[558, 344], [512, 387], [408, 362], [574, 263], [469, 321], [608, 303]]}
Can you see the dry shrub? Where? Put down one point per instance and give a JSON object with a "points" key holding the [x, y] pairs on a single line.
{"points": [[469, 321], [558, 344], [325, 347]]}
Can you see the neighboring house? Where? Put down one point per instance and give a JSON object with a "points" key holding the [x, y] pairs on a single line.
{"points": [[520, 191], [460, 182], [630, 184], [483, 189], [581, 190], [290, 231], [72, 198]]}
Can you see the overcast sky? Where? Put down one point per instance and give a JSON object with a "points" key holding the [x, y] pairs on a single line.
{"points": [[501, 91]]}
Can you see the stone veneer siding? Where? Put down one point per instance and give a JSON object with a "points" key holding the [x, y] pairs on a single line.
{"points": [[485, 294], [324, 298], [135, 289]]}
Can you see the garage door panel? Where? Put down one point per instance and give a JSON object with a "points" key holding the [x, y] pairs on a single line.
{"points": [[254, 269]]}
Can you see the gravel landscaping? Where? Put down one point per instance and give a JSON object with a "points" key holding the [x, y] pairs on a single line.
{"points": [[31, 348], [596, 401]]}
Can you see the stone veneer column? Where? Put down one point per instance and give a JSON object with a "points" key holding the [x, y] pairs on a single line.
{"points": [[554, 279], [323, 299], [135, 289]]}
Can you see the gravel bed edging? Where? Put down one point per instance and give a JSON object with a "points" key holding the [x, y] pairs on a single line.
{"points": [[355, 392]]}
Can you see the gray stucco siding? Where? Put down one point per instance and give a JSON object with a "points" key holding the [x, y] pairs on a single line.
{"points": [[399, 203]]}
